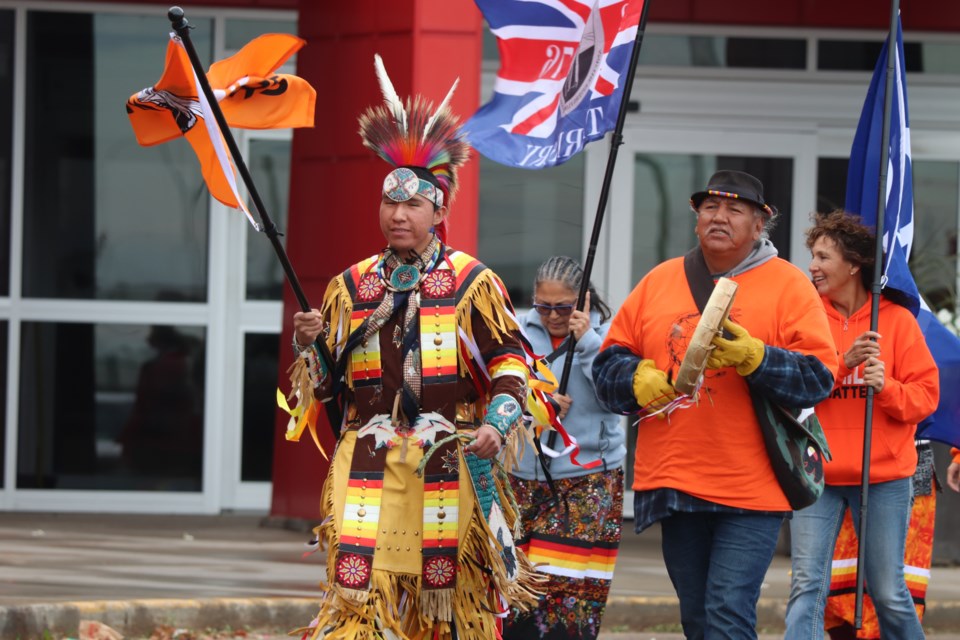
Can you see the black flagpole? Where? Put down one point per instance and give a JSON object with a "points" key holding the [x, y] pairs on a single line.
{"points": [[615, 141], [875, 306], [179, 23]]}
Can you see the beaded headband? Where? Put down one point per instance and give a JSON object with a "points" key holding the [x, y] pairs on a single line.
{"points": [[402, 184], [414, 134]]}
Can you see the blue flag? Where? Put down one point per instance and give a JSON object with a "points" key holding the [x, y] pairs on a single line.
{"points": [[863, 178], [944, 424], [563, 69]]}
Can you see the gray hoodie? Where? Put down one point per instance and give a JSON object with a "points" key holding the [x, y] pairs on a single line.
{"points": [[598, 432]]}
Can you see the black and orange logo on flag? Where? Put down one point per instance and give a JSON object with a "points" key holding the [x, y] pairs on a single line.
{"points": [[250, 94]]}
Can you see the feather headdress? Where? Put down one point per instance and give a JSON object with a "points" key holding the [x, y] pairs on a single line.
{"points": [[414, 134]]}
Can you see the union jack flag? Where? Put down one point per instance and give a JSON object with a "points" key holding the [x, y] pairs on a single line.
{"points": [[561, 78]]}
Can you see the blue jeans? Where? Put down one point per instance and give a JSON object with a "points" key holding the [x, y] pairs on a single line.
{"points": [[813, 534], [717, 562]]}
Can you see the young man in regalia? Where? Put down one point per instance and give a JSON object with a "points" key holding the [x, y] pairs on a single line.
{"points": [[433, 379]]}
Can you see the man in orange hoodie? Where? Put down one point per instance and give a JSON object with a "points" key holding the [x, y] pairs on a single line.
{"points": [[703, 472]]}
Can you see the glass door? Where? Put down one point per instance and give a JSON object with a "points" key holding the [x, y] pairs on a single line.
{"points": [[649, 218], [253, 321]]}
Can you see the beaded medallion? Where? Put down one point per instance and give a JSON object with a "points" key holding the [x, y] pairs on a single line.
{"points": [[405, 277]]}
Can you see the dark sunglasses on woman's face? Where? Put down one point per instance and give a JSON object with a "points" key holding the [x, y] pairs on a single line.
{"points": [[561, 309]]}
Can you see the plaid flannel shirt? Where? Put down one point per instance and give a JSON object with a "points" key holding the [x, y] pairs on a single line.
{"points": [[788, 378], [792, 379]]}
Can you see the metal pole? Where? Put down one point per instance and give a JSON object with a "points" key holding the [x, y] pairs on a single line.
{"points": [[615, 142], [875, 305], [179, 23]]}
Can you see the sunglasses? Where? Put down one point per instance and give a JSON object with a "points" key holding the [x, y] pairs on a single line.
{"points": [[561, 309]]}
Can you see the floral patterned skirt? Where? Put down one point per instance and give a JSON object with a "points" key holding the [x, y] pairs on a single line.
{"points": [[575, 547]]}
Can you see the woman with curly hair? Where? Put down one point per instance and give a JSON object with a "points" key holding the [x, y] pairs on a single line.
{"points": [[897, 364]]}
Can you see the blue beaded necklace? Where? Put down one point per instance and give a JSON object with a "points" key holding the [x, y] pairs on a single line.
{"points": [[406, 277]]}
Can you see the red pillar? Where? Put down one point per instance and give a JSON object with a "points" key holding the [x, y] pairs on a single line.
{"points": [[335, 180]]}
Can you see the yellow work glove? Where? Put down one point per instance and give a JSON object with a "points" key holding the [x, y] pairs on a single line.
{"points": [[743, 352], [651, 388]]}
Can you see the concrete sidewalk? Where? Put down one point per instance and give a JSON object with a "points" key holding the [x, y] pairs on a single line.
{"points": [[135, 573]]}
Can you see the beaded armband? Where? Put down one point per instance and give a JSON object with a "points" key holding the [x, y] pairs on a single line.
{"points": [[503, 414], [481, 472], [315, 365]]}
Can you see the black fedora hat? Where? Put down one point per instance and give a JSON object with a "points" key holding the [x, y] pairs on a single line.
{"points": [[734, 184]]}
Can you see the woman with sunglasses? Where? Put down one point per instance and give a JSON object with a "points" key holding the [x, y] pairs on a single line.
{"points": [[571, 529]]}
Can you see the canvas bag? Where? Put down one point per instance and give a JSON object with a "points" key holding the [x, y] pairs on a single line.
{"points": [[796, 450]]}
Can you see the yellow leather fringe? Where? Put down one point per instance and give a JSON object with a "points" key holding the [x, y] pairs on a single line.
{"points": [[301, 386], [397, 602], [485, 297], [337, 306]]}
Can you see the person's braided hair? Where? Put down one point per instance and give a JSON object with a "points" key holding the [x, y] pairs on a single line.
{"points": [[568, 271]]}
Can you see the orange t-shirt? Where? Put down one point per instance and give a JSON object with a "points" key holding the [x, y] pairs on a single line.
{"points": [[911, 391], [715, 450]]}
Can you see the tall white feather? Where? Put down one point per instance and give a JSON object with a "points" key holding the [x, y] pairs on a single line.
{"points": [[443, 105], [390, 97]]}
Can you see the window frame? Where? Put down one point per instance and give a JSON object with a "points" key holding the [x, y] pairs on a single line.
{"points": [[222, 315]]}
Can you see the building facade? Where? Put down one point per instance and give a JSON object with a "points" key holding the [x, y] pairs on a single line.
{"points": [[143, 325]]}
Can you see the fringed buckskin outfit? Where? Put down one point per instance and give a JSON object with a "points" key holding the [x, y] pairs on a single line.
{"points": [[409, 552], [427, 349]]}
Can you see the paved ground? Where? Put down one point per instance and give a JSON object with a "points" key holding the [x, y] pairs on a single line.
{"points": [[629, 635], [138, 573]]}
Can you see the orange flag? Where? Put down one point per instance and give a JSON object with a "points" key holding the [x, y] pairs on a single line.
{"points": [[250, 95]]}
